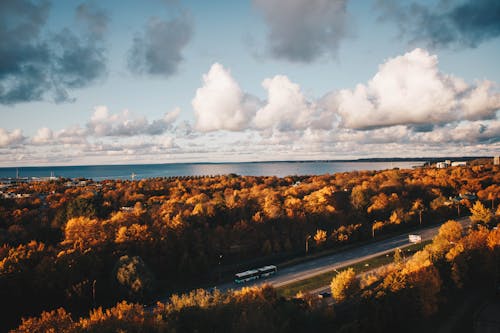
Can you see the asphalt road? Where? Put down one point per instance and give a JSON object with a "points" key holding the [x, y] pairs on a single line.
{"points": [[317, 266]]}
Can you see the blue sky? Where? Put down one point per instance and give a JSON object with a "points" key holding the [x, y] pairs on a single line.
{"points": [[92, 82]]}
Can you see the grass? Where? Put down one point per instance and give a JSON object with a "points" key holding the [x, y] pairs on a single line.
{"points": [[324, 279]]}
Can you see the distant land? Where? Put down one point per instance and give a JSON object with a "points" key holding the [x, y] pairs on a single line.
{"points": [[264, 168]]}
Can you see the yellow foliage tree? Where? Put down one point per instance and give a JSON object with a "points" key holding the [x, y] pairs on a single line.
{"points": [[344, 285], [57, 321], [320, 236], [84, 232], [451, 231], [480, 214]]}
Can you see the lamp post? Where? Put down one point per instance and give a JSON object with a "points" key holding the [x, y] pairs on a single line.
{"points": [[307, 243], [93, 292]]}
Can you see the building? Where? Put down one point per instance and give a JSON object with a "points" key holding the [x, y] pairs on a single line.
{"points": [[496, 160], [443, 165], [453, 164]]}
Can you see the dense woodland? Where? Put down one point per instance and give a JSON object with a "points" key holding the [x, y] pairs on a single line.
{"points": [[88, 244], [408, 297]]}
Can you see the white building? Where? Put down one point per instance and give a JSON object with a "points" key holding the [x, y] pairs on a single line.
{"points": [[442, 165]]}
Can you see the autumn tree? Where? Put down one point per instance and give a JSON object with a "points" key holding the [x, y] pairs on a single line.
{"points": [[83, 232], [398, 257], [480, 214], [344, 285], [134, 277], [451, 231], [49, 322], [320, 236]]}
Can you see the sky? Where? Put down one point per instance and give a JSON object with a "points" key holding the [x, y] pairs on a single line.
{"points": [[165, 81]]}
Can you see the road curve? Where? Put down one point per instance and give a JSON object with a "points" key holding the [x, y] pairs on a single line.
{"points": [[317, 266]]}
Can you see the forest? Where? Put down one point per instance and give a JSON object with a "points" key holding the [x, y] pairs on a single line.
{"points": [[407, 297], [72, 246]]}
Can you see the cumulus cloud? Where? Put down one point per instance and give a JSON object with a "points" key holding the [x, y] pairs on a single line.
{"points": [[43, 135], [11, 138], [35, 64], [304, 30], [410, 90], [103, 123], [287, 108], [220, 104], [445, 23], [158, 49]]}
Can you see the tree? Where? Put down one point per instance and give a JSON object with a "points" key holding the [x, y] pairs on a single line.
{"points": [[398, 256], [320, 237], [450, 231], [84, 232], [418, 206], [134, 277], [480, 214], [344, 285], [359, 197], [54, 321]]}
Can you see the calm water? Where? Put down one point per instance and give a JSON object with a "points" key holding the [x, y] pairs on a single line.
{"points": [[280, 169]]}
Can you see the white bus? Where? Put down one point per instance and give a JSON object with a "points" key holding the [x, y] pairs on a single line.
{"points": [[414, 239], [254, 274], [267, 271]]}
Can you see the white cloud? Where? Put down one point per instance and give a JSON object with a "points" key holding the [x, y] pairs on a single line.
{"points": [[10, 138], [43, 135], [171, 117], [72, 135], [220, 104], [102, 123], [286, 108], [410, 89]]}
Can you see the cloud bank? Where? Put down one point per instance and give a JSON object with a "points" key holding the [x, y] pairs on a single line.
{"points": [[410, 90], [407, 90], [409, 108]]}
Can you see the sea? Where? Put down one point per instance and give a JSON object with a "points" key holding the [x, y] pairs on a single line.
{"points": [[140, 171]]}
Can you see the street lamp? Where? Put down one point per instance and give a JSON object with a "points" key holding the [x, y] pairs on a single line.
{"points": [[93, 292], [307, 243]]}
